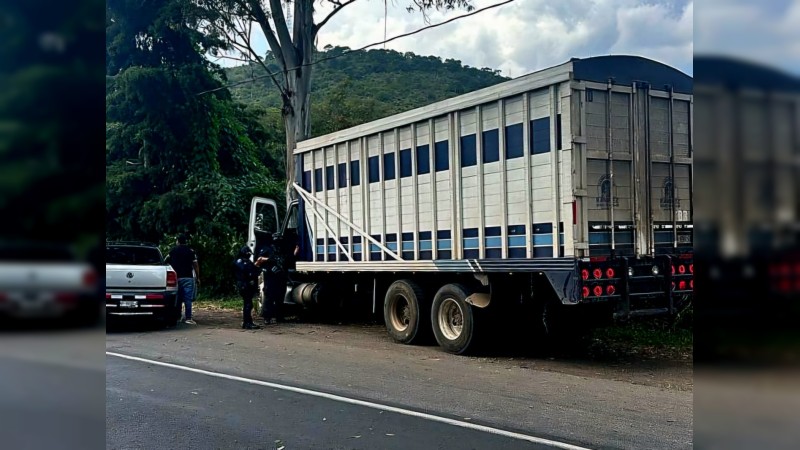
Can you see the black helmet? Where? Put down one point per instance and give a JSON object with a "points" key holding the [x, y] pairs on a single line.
{"points": [[245, 252]]}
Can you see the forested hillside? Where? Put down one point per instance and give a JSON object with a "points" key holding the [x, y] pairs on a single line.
{"points": [[178, 161], [365, 85]]}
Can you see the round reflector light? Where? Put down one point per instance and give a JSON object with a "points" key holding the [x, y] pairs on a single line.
{"points": [[598, 291], [610, 272], [584, 274], [597, 273], [682, 285], [585, 292], [681, 269], [610, 290], [691, 268], [691, 284]]}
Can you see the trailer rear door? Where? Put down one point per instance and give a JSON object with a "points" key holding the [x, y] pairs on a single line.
{"points": [[638, 169]]}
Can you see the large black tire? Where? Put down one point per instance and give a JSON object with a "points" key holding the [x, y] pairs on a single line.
{"points": [[455, 322], [405, 311]]}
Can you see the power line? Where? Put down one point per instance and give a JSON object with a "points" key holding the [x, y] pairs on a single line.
{"points": [[272, 74]]}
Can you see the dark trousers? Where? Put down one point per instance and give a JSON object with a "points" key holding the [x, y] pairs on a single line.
{"points": [[274, 290], [247, 292]]}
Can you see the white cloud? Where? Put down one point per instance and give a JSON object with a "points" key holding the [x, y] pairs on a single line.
{"points": [[767, 32], [525, 35]]}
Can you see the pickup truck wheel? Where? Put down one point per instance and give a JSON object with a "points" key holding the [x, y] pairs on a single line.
{"points": [[455, 321], [405, 313]]}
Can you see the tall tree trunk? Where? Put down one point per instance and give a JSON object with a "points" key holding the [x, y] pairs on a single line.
{"points": [[297, 101], [297, 120]]}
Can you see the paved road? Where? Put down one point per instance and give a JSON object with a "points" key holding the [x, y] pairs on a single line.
{"points": [[49, 396], [149, 406], [362, 363]]}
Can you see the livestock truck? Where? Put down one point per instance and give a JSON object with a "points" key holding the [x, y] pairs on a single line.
{"points": [[748, 223], [534, 204]]}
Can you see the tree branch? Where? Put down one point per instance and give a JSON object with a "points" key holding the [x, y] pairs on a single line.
{"points": [[232, 58], [262, 19], [260, 61], [283, 33], [245, 48], [335, 10]]}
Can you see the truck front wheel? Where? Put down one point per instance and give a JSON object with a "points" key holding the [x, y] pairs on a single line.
{"points": [[405, 312], [454, 320]]}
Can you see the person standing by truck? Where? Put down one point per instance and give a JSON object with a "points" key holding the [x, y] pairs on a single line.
{"points": [[183, 260], [246, 273]]}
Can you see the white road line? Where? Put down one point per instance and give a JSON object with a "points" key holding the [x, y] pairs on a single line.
{"points": [[352, 401]]}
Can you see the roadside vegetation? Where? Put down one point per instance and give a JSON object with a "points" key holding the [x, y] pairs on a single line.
{"points": [[179, 162]]}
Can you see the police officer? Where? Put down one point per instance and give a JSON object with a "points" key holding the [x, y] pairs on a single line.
{"points": [[247, 284], [274, 283]]}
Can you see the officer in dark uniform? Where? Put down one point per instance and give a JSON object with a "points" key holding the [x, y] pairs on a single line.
{"points": [[247, 284], [274, 282]]}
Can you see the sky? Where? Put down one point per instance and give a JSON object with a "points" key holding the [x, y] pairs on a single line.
{"points": [[523, 36], [529, 35], [765, 31]]}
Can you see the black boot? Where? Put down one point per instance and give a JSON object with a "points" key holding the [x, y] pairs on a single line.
{"points": [[250, 326]]}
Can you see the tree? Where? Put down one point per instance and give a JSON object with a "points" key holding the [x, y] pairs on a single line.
{"points": [[176, 161], [289, 64], [51, 187]]}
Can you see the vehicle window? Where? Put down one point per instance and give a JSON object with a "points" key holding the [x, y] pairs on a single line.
{"points": [[266, 221], [133, 255]]}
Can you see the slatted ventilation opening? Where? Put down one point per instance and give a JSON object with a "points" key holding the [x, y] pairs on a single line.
{"points": [[600, 238]]}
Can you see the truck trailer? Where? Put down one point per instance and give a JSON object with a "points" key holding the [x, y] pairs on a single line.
{"points": [[562, 194]]}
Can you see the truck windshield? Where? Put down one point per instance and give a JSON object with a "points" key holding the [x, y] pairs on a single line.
{"points": [[133, 255]]}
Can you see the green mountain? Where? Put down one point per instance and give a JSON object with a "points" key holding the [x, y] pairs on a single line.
{"points": [[361, 86]]}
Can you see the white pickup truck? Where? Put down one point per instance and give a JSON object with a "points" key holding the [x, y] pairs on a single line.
{"points": [[40, 280], [140, 283]]}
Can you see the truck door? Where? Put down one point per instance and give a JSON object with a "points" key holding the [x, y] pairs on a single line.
{"points": [[263, 223], [663, 166]]}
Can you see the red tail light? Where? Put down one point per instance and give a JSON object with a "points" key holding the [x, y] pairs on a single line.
{"points": [[598, 291], [682, 285], [610, 290], [597, 273], [585, 292], [89, 278], [66, 297], [172, 279], [691, 284], [681, 269], [673, 270], [584, 274], [154, 297], [108, 296], [610, 272], [691, 268]]}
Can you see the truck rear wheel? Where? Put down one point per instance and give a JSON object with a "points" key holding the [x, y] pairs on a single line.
{"points": [[405, 313], [454, 320]]}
